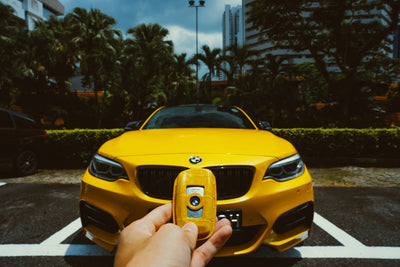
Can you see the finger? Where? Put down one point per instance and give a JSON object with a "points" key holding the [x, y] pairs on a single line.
{"points": [[221, 223], [203, 254], [135, 235], [159, 216], [190, 231], [140, 230]]}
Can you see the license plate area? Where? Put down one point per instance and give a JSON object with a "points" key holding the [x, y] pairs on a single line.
{"points": [[233, 215]]}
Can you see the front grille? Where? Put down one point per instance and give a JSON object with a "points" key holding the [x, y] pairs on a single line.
{"points": [[158, 181], [232, 181]]}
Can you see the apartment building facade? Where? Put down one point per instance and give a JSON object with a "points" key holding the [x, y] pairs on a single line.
{"points": [[31, 10], [258, 42]]}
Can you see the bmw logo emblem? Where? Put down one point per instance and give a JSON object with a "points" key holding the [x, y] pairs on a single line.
{"points": [[195, 159]]}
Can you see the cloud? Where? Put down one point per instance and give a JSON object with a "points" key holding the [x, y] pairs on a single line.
{"points": [[185, 40]]}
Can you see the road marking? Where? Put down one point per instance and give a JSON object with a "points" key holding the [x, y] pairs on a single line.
{"points": [[34, 250], [1, 184], [351, 248], [61, 235], [337, 233], [391, 253]]}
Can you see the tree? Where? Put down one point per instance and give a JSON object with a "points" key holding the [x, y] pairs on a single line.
{"points": [[181, 81], [13, 63], [151, 56], [52, 59], [212, 59], [54, 53], [238, 57], [97, 42], [241, 87], [333, 32]]}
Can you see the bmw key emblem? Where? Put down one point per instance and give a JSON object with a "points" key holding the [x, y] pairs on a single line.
{"points": [[195, 159]]}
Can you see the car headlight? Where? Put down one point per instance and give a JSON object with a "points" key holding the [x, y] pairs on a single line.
{"points": [[106, 169], [285, 169]]}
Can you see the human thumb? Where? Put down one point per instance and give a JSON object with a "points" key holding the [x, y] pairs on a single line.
{"points": [[190, 231]]}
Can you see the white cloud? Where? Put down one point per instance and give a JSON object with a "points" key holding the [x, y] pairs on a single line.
{"points": [[185, 40]]}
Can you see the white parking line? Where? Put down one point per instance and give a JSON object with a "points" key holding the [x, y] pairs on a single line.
{"points": [[33, 250], [337, 233], [351, 248], [61, 235], [391, 253], [1, 184]]}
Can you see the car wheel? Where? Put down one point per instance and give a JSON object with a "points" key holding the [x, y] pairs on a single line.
{"points": [[26, 163]]}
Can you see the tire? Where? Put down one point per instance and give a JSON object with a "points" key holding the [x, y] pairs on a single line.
{"points": [[26, 163]]}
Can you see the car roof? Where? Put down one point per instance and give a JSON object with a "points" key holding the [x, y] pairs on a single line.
{"points": [[15, 113]]}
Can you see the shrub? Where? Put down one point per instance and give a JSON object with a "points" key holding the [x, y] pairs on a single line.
{"points": [[368, 143], [74, 148]]}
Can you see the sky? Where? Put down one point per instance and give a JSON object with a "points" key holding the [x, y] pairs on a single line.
{"points": [[174, 15]]}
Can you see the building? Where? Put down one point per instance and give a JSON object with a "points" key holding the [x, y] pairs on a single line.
{"points": [[256, 40], [232, 29], [31, 10], [232, 26], [396, 44]]}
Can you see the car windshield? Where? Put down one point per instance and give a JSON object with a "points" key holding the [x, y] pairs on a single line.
{"points": [[199, 116]]}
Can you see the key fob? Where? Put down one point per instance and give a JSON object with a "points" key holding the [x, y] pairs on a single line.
{"points": [[195, 200]]}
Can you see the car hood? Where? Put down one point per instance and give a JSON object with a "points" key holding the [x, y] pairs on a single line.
{"points": [[205, 141]]}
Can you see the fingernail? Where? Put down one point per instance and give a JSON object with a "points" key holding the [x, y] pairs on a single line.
{"points": [[190, 227]]}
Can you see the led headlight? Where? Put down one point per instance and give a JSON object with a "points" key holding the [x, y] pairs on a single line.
{"points": [[285, 169], [106, 169]]}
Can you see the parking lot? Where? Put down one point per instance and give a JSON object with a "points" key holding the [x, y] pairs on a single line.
{"points": [[352, 226]]}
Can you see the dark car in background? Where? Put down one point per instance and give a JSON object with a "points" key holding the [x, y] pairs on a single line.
{"points": [[20, 141]]}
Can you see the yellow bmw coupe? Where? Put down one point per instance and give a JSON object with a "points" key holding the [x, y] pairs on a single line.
{"points": [[263, 186]]}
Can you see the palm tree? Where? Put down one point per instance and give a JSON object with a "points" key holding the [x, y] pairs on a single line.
{"points": [[153, 57], [13, 50], [237, 57], [96, 40], [53, 51], [274, 67], [212, 59], [181, 80]]}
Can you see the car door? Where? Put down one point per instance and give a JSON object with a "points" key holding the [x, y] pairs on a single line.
{"points": [[8, 137]]}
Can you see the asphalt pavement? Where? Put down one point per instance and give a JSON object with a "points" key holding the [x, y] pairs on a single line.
{"points": [[353, 226]]}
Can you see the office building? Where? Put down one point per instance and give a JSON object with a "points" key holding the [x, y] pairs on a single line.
{"points": [[232, 29], [232, 26]]}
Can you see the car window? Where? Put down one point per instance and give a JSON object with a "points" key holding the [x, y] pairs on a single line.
{"points": [[5, 120], [25, 122], [199, 116]]}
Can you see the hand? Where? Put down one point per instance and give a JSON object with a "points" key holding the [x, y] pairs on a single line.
{"points": [[151, 241]]}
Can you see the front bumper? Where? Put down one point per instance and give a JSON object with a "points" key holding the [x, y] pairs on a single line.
{"points": [[278, 214]]}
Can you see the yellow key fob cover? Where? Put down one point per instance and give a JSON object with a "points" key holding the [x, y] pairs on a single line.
{"points": [[195, 200]]}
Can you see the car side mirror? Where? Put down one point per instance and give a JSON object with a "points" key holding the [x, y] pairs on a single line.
{"points": [[263, 125], [133, 125]]}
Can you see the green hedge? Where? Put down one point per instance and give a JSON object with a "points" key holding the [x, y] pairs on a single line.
{"points": [[74, 148], [359, 143]]}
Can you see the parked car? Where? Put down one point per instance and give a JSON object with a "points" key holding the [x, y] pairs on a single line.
{"points": [[263, 186], [20, 141]]}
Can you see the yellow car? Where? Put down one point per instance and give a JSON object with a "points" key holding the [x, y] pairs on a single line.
{"points": [[263, 186]]}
